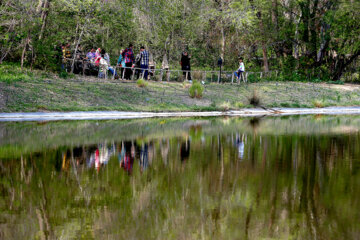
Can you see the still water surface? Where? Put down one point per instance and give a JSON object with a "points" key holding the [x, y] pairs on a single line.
{"points": [[206, 178]]}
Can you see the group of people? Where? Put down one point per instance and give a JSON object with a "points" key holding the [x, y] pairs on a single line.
{"points": [[98, 60], [126, 61]]}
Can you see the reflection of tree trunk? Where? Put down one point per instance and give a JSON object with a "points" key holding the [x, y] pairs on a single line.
{"points": [[247, 223], [274, 192], [312, 207], [42, 212], [41, 224], [307, 201], [264, 154], [217, 209]]}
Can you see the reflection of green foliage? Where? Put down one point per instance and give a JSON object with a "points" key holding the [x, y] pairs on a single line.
{"points": [[286, 181], [31, 136], [195, 133]]}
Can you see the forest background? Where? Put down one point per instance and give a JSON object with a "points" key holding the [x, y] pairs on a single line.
{"points": [[302, 39]]}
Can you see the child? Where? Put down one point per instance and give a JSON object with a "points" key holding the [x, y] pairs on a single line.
{"points": [[241, 70]]}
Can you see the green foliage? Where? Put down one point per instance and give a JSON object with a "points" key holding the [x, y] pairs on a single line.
{"points": [[318, 103], [249, 29], [196, 90], [141, 83], [11, 73]]}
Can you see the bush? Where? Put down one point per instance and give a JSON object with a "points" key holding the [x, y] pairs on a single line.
{"points": [[141, 83], [196, 90], [318, 103], [225, 106]]}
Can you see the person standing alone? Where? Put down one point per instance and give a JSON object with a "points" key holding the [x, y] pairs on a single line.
{"points": [[144, 62], [185, 65], [241, 70]]}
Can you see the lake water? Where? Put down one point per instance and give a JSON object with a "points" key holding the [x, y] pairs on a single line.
{"points": [[199, 178]]}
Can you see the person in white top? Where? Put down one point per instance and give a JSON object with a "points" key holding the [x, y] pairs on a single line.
{"points": [[241, 70]]}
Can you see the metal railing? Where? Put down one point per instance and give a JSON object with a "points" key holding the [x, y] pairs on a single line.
{"points": [[176, 75]]}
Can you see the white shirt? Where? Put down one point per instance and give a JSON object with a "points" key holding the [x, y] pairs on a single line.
{"points": [[242, 67], [104, 63]]}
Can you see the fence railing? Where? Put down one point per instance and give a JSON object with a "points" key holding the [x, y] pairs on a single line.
{"points": [[174, 74]]}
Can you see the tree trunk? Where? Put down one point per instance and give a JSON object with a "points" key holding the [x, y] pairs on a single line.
{"points": [[341, 65], [44, 10], [262, 32], [223, 41], [274, 14], [263, 45], [24, 51], [76, 48]]}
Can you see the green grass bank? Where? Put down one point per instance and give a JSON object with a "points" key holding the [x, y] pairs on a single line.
{"points": [[29, 91]]}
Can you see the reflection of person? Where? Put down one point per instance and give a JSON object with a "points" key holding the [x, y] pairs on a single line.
{"points": [[240, 146], [185, 65], [185, 150], [128, 160], [144, 157], [164, 148]]}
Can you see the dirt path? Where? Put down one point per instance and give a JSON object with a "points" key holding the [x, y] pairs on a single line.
{"points": [[345, 87]]}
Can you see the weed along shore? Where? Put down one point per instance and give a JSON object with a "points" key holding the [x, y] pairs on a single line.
{"points": [[42, 92]]}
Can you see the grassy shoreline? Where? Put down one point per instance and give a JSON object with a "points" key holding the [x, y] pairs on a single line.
{"points": [[25, 91]]}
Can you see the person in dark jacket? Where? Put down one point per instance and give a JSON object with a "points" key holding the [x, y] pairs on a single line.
{"points": [[185, 65]]}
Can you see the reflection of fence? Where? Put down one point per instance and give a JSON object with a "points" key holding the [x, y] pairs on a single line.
{"points": [[180, 75]]}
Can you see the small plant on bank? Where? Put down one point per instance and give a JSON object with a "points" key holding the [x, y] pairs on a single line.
{"points": [[196, 90], [254, 100], [318, 103], [225, 106], [238, 105], [141, 83]]}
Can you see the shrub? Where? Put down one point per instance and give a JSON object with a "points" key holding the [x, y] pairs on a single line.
{"points": [[225, 106], [141, 83], [318, 103], [252, 78], [238, 105], [196, 90]]}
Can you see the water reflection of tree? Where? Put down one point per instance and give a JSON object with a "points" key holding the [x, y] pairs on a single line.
{"points": [[301, 187]]}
